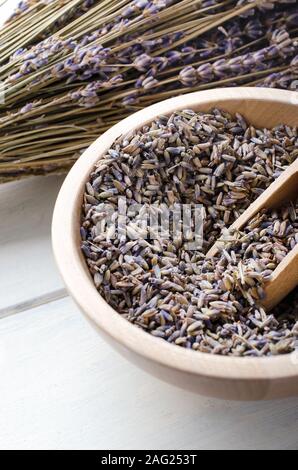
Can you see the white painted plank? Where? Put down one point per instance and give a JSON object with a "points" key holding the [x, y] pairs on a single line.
{"points": [[27, 267], [62, 387]]}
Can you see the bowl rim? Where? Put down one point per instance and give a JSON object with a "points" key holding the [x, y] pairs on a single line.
{"points": [[73, 268]]}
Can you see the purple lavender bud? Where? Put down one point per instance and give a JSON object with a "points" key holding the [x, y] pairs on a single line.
{"points": [[205, 72], [250, 60], [18, 53], [149, 83], [220, 66], [258, 56], [281, 38], [28, 107], [207, 54], [189, 54], [23, 6], [129, 100], [188, 76], [177, 36], [173, 57], [128, 11], [139, 81], [253, 29], [29, 56], [161, 63], [116, 80], [88, 93], [143, 62]]}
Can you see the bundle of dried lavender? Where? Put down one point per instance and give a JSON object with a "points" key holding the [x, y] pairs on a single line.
{"points": [[79, 66]]}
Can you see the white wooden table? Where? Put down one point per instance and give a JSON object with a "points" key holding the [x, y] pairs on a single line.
{"points": [[62, 387]]}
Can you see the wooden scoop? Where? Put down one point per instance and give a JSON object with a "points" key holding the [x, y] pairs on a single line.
{"points": [[285, 277]]}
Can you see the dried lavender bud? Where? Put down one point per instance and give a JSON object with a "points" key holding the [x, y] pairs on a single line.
{"points": [[280, 44], [162, 286], [88, 96], [286, 79]]}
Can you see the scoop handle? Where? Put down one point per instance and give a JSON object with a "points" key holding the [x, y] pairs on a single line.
{"points": [[283, 280], [285, 277], [283, 189]]}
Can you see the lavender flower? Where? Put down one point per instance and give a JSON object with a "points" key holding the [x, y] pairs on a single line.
{"points": [[130, 100], [29, 107], [149, 82], [89, 96], [286, 79], [143, 62], [188, 76], [39, 56], [281, 45]]}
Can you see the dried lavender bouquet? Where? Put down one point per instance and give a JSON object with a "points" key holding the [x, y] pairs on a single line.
{"points": [[71, 69]]}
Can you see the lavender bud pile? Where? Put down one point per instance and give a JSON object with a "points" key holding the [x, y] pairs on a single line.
{"points": [[80, 66], [212, 305]]}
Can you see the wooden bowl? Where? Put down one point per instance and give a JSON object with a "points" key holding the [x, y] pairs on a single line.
{"points": [[207, 374]]}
